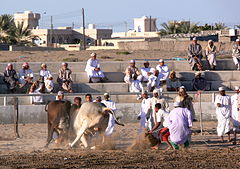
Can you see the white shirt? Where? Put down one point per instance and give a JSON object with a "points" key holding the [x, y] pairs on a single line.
{"points": [[92, 64], [163, 72], [136, 86], [25, 73], [161, 116], [152, 80], [49, 85], [45, 74], [144, 72]]}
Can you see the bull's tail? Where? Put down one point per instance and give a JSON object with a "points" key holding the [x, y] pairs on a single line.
{"points": [[114, 116], [46, 107]]}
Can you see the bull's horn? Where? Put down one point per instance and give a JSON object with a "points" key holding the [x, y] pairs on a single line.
{"points": [[114, 116]]}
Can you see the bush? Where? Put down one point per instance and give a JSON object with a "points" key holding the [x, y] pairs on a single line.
{"points": [[70, 60], [123, 53]]}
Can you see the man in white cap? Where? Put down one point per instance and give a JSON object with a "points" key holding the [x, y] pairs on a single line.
{"points": [[236, 54], [157, 98], [200, 83], [223, 112], [235, 100], [145, 71], [93, 69], [195, 55], [65, 78], [142, 116], [49, 85], [152, 81], [60, 95], [211, 51], [163, 71], [109, 104], [25, 75], [179, 122], [130, 71], [44, 72]]}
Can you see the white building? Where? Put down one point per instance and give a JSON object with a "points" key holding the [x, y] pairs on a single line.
{"points": [[145, 24], [28, 18]]}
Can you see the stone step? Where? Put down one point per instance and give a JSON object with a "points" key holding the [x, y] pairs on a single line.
{"points": [[120, 66]]}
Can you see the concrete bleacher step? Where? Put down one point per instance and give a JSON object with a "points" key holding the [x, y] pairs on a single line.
{"points": [[120, 66]]}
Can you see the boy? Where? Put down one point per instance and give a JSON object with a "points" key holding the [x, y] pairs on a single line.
{"points": [[161, 117]]}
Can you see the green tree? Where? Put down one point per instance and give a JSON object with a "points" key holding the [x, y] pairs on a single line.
{"points": [[21, 33], [6, 27], [220, 26]]}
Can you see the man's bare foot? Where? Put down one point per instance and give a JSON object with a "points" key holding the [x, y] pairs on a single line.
{"points": [[155, 147]]}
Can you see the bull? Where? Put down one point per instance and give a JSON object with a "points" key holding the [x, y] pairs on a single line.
{"points": [[91, 117], [58, 119]]}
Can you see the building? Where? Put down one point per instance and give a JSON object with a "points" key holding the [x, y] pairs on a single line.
{"points": [[28, 18], [145, 24]]}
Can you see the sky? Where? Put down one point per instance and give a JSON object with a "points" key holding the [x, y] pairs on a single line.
{"points": [[115, 14]]}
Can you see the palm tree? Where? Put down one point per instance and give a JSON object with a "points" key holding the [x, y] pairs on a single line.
{"points": [[169, 28], [21, 33], [187, 27], [220, 26], [6, 27]]}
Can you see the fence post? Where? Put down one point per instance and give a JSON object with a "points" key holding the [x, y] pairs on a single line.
{"points": [[16, 115], [4, 100]]}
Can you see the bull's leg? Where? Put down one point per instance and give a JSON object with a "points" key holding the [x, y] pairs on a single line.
{"points": [[79, 133], [84, 141], [50, 133]]}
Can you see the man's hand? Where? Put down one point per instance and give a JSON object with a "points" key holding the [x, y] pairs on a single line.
{"points": [[218, 105], [150, 132], [139, 117]]}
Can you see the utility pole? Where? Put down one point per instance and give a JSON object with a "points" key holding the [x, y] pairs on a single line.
{"points": [[150, 26], [126, 28], [83, 17], [51, 31], [73, 25]]}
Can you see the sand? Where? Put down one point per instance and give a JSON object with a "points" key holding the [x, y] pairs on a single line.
{"points": [[28, 152]]}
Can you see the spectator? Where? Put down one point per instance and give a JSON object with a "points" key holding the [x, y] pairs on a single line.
{"points": [[65, 78], [37, 88], [135, 85], [185, 100], [145, 71], [109, 104], [142, 116], [98, 99], [152, 80], [173, 83], [88, 98], [78, 101], [179, 122], [163, 71], [157, 98], [11, 78], [44, 72], [236, 54], [211, 51], [49, 85], [130, 71], [200, 83], [195, 55], [25, 75], [60, 95], [223, 112], [93, 69]]}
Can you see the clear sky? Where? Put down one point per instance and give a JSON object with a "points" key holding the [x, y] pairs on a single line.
{"points": [[113, 14]]}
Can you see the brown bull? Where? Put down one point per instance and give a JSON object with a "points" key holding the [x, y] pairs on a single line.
{"points": [[58, 119]]}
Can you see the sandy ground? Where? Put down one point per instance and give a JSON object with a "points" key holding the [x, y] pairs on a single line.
{"points": [[27, 152], [53, 56]]}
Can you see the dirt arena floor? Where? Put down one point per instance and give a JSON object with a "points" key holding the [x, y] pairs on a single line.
{"points": [[104, 55], [28, 152]]}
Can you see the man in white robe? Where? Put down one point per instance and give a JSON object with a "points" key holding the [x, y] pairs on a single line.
{"points": [[236, 54], [143, 114], [152, 102], [163, 71], [235, 112], [109, 104], [145, 71], [223, 112], [93, 69]]}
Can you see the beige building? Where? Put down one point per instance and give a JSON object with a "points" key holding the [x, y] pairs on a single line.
{"points": [[28, 18], [145, 24]]}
